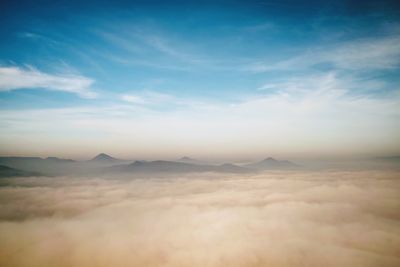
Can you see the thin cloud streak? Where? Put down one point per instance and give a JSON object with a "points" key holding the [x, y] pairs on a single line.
{"points": [[139, 45], [149, 98], [357, 55], [14, 78]]}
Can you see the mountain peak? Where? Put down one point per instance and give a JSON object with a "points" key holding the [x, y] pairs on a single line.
{"points": [[103, 157]]}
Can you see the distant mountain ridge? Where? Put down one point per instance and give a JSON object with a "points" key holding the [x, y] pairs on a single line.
{"points": [[163, 166], [12, 172], [187, 159], [103, 163], [50, 165], [13, 158]]}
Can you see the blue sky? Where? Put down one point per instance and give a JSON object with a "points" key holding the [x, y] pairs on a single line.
{"points": [[209, 79]]}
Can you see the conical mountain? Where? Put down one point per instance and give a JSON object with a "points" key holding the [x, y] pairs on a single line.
{"points": [[102, 157]]}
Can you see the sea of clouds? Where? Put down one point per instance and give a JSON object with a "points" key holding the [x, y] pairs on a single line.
{"points": [[324, 218]]}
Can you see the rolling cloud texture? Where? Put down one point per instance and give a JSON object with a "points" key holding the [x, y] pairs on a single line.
{"points": [[326, 218]]}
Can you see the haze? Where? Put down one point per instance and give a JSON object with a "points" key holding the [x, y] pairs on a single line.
{"points": [[179, 133]]}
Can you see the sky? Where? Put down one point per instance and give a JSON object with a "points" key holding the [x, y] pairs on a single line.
{"points": [[206, 79]]}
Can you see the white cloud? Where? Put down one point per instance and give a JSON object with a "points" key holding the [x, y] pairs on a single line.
{"points": [[153, 100], [149, 98], [134, 99], [14, 78]]}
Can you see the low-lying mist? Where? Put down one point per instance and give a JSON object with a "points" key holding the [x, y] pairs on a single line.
{"points": [[280, 218]]}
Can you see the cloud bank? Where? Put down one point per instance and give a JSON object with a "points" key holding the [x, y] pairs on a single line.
{"points": [[274, 219]]}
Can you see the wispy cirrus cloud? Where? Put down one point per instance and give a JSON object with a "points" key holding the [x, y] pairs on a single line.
{"points": [[356, 55], [348, 84], [14, 78], [150, 47], [151, 101], [165, 46]]}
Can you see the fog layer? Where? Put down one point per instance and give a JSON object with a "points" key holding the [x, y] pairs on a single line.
{"points": [[272, 219]]}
